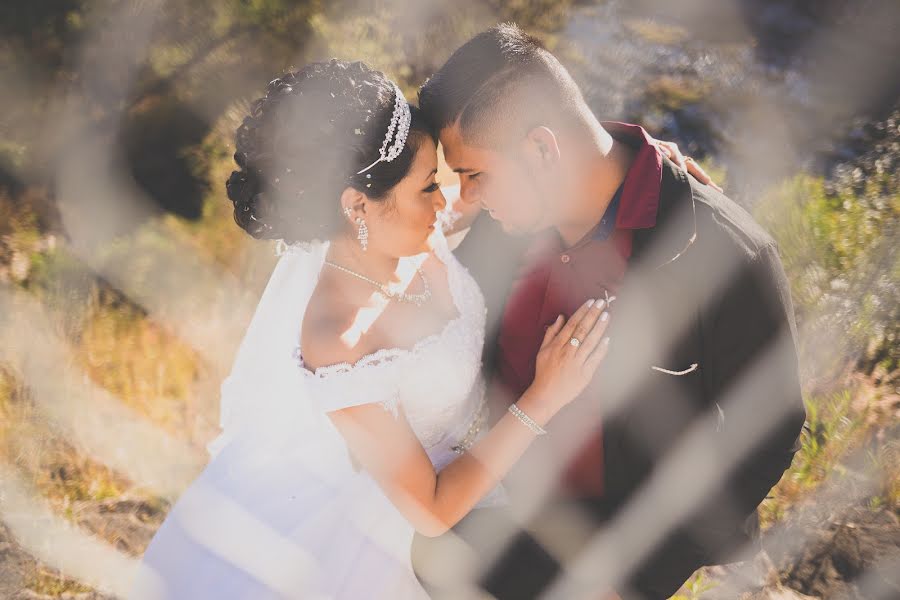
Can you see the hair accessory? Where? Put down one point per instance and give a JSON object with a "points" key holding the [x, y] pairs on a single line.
{"points": [[397, 131]]}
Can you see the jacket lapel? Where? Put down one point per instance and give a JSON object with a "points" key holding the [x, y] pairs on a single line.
{"points": [[653, 307], [650, 380]]}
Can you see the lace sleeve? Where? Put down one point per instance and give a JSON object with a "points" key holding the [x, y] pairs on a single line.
{"points": [[374, 379]]}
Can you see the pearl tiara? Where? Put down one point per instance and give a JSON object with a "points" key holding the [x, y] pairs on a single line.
{"points": [[397, 131]]}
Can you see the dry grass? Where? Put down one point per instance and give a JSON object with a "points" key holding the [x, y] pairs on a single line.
{"points": [[51, 464], [670, 93], [655, 32], [138, 361], [53, 583], [851, 438]]}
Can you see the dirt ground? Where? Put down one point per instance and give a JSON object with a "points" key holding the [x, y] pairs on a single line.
{"points": [[126, 524], [852, 555], [849, 556]]}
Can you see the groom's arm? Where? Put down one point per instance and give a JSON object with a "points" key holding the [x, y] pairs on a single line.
{"points": [[755, 374], [751, 373]]}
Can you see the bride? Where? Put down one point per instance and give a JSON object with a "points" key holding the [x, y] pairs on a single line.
{"points": [[354, 414]]}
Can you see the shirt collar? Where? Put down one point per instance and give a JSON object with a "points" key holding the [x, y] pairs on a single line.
{"points": [[640, 190], [635, 203]]}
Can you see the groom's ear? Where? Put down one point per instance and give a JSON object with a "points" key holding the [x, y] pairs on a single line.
{"points": [[541, 147]]}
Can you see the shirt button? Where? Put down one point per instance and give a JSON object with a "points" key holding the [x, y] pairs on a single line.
{"points": [[564, 258]]}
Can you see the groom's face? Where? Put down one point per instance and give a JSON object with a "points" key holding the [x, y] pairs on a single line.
{"points": [[500, 182]]}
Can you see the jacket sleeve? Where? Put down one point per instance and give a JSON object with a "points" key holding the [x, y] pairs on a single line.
{"points": [[751, 379], [755, 378]]}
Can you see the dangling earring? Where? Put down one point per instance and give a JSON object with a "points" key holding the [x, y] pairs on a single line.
{"points": [[363, 233]]}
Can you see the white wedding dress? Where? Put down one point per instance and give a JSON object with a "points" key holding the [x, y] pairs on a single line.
{"points": [[280, 511]]}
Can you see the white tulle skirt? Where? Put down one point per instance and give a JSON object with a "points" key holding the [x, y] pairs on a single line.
{"points": [[261, 524]]}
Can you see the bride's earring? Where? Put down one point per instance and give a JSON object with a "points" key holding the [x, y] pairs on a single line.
{"points": [[363, 234]]}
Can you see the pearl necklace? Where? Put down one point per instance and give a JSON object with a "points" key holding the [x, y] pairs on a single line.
{"points": [[417, 299]]}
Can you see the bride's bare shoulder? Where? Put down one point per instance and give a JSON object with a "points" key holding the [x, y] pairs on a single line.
{"points": [[326, 335]]}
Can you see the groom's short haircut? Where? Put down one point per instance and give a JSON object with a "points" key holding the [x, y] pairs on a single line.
{"points": [[499, 85]]}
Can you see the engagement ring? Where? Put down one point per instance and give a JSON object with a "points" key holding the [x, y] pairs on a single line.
{"points": [[575, 342]]}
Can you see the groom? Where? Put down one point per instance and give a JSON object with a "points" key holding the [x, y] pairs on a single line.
{"points": [[658, 468]]}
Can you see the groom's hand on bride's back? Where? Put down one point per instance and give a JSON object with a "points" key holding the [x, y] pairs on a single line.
{"points": [[571, 353]]}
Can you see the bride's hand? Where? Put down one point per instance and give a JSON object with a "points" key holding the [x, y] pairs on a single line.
{"points": [[565, 367], [673, 153]]}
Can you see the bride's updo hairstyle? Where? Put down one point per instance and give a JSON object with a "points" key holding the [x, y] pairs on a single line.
{"points": [[304, 142]]}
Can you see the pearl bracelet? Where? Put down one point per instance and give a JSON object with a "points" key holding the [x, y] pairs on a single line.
{"points": [[531, 423]]}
